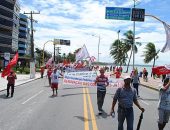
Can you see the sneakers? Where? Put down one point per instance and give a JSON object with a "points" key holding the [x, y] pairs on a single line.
{"points": [[100, 112]]}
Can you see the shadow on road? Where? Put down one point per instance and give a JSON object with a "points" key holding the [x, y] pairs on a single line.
{"points": [[4, 96], [82, 118], [74, 94], [148, 99], [103, 115]]}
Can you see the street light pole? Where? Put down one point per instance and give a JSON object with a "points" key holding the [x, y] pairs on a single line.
{"points": [[133, 46], [118, 42], [98, 48]]}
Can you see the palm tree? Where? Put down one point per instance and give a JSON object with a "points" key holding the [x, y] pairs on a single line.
{"points": [[150, 53], [129, 45], [118, 51]]}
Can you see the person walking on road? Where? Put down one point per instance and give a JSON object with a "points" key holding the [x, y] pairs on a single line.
{"points": [[136, 81], [164, 104], [49, 72], [42, 71], [54, 81], [102, 83], [11, 83], [126, 96]]}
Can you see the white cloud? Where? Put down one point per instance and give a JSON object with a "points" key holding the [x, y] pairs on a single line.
{"points": [[79, 20]]}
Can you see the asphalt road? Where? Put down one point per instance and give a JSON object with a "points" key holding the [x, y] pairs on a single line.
{"points": [[33, 108]]}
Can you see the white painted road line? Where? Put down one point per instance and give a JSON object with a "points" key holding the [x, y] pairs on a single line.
{"points": [[144, 102], [33, 97]]}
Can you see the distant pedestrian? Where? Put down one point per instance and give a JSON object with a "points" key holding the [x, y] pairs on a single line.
{"points": [[42, 71], [11, 83], [126, 96], [136, 81], [163, 77], [102, 83], [164, 104], [55, 80], [49, 72]]}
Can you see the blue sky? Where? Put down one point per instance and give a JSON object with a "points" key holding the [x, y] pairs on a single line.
{"points": [[80, 20]]}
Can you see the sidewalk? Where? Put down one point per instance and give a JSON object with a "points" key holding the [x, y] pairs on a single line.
{"points": [[154, 84], [21, 79]]}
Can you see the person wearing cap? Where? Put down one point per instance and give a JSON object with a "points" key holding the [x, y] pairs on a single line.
{"points": [[125, 96], [101, 82], [11, 83], [54, 80], [164, 104]]}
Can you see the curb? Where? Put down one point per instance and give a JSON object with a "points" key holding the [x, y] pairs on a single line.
{"points": [[146, 86], [22, 83]]}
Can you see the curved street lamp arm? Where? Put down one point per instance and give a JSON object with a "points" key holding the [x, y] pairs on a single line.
{"points": [[156, 18], [43, 50]]}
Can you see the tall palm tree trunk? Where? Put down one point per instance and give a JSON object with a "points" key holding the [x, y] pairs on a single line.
{"points": [[129, 61], [153, 65]]}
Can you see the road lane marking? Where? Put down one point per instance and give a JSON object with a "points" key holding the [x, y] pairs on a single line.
{"points": [[144, 102], [91, 111], [86, 122], [32, 97]]}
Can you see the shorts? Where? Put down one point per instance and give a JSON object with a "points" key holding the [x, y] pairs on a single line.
{"points": [[163, 116], [54, 85]]}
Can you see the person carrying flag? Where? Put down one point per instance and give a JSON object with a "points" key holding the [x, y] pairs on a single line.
{"points": [[49, 72], [11, 82]]}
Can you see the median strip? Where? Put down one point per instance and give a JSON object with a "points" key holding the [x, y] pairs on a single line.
{"points": [[90, 106]]}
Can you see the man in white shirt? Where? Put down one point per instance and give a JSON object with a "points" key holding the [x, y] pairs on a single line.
{"points": [[54, 80]]}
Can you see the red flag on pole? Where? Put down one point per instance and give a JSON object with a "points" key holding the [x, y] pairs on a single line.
{"points": [[12, 63]]}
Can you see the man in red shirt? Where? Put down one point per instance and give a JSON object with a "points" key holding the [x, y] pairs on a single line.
{"points": [[102, 83], [42, 71], [49, 72], [11, 82]]}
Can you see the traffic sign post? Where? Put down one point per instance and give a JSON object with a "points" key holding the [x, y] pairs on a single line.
{"points": [[118, 13], [62, 42], [138, 14]]}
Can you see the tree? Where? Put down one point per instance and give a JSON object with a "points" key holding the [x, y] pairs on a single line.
{"points": [[118, 51], [150, 53], [129, 45]]}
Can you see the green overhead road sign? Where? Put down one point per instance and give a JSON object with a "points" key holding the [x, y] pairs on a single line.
{"points": [[118, 13]]}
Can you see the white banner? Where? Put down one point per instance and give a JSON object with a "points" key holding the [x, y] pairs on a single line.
{"points": [[87, 79]]}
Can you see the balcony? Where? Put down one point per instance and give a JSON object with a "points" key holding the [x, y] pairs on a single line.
{"points": [[23, 22], [23, 29], [22, 46], [22, 51]]}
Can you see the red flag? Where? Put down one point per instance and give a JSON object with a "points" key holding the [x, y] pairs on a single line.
{"points": [[12, 63], [160, 70]]}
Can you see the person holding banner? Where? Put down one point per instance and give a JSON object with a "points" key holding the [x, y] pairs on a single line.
{"points": [[102, 83], [164, 104]]}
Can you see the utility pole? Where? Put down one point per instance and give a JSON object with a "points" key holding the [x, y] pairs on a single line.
{"points": [[54, 53], [133, 46], [58, 53], [118, 44], [32, 33]]}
